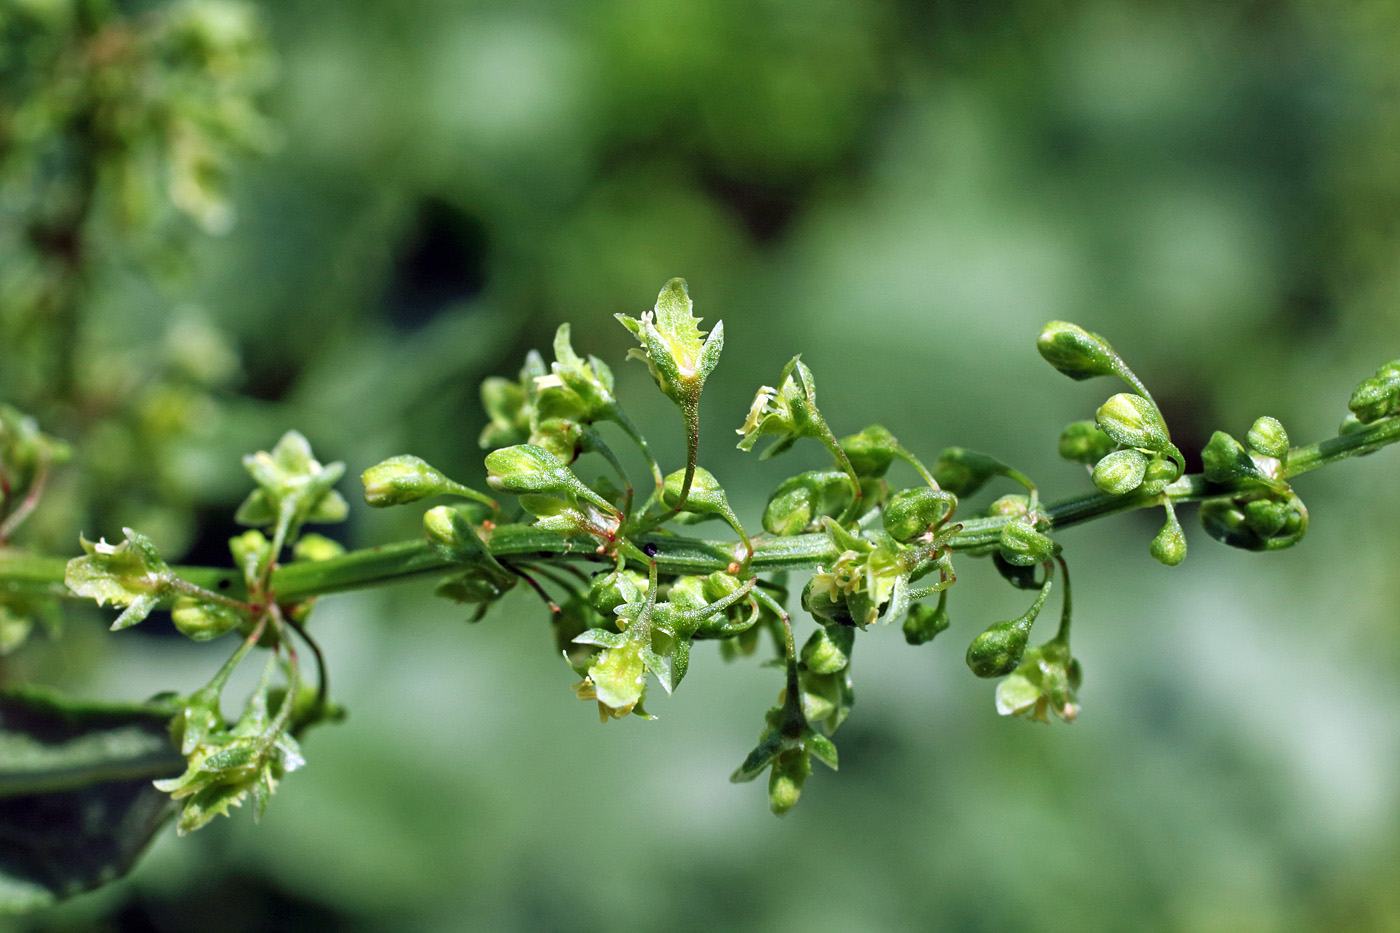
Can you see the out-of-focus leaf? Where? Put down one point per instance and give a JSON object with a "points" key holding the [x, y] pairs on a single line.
{"points": [[77, 806]]}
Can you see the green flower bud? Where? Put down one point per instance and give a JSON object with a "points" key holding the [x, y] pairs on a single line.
{"points": [[1120, 472], [452, 536], [1133, 421], [1224, 521], [403, 479], [962, 472], [203, 621], [1224, 460], [1009, 506], [790, 771], [828, 650], [789, 512], [1084, 442], [1022, 546], [1161, 472], [475, 587], [998, 650], [706, 495], [1375, 398], [526, 468], [1266, 516], [912, 512], [800, 501], [504, 401], [1256, 523], [608, 591], [1023, 577], [251, 551], [1076, 352], [1269, 438], [924, 621], [1169, 546], [311, 547], [872, 451], [561, 437], [826, 604], [1350, 425]]}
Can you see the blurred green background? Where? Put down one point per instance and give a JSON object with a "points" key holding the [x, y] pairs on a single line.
{"points": [[903, 192]]}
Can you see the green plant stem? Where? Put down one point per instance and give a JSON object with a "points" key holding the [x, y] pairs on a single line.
{"points": [[32, 574]]}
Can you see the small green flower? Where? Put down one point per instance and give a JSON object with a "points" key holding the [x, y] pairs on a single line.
{"points": [[616, 679], [872, 451], [1022, 545], [788, 412], [293, 487], [575, 388], [1264, 521], [1045, 682], [1225, 460], [508, 405], [787, 745], [672, 345], [130, 574]]}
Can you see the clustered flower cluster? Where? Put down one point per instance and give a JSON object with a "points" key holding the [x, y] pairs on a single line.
{"points": [[881, 554]]}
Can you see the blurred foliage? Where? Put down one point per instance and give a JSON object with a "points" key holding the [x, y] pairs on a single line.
{"points": [[903, 192]]}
